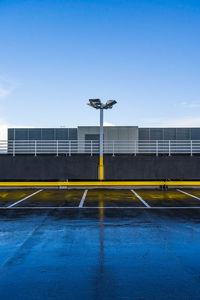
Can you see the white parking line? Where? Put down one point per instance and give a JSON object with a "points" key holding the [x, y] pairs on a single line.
{"points": [[104, 207], [24, 198], [188, 194], [144, 202], [83, 199]]}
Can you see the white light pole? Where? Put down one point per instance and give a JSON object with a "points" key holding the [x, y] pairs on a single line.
{"points": [[97, 104], [101, 134]]}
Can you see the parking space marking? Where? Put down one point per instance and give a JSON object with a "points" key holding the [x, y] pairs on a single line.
{"points": [[144, 202], [99, 207], [83, 199], [23, 199], [188, 194]]}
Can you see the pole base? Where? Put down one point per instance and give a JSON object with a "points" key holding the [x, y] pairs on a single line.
{"points": [[101, 168]]}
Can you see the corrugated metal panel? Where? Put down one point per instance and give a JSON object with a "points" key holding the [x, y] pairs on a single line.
{"points": [[111, 133]]}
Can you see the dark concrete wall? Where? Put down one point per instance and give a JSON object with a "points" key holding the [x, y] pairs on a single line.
{"points": [[48, 167], [127, 167], [85, 167]]}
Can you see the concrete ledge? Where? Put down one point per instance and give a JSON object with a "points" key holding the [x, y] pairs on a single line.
{"points": [[100, 184]]}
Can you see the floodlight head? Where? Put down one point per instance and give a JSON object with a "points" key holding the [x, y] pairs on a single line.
{"points": [[110, 103], [96, 103]]}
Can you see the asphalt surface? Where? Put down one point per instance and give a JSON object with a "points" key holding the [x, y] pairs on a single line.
{"points": [[9, 196], [99, 253], [112, 198], [54, 198], [99, 198], [171, 198]]}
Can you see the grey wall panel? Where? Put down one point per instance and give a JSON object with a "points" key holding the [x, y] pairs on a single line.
{"points": [[21, 134], [169, 134], [110, 132], [156, 134], [195, 133], [72, 134], [133, 133], [48, 133], [82, 130], [144, 133], [123, 134], [183, 133], [62, 134], [10, 134], [35, 134], [42, 133]]}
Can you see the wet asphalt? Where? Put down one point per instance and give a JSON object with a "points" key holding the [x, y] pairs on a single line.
{"points": [[55, 198], [10, 196], [112, 198], [99, 253], [156, 198]]}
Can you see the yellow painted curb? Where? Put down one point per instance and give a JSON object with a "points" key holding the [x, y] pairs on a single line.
{"points": [[99, 183]]}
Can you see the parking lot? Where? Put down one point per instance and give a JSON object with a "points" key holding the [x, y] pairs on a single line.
{"points": [[130, 198], [100, 244]]}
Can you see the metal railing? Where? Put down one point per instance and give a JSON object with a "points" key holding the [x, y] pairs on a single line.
{"points": [[70, 147]]}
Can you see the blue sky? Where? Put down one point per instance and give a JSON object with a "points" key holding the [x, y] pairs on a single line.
{"points": [[54, 55]]}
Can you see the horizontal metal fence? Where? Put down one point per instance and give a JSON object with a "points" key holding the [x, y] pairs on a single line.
{"points": [[70, 147]]}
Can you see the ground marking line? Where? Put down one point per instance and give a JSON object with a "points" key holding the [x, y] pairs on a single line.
{"points": [[24, 198], [83, 199], [144, 202], [188, 194], [97, 207]]}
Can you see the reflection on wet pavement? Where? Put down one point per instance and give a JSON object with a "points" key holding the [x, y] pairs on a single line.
{"points": [[107, 198], [167, 198], [100, 254]]}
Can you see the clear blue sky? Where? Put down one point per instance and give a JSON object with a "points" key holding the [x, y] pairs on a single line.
{"points": [[54, 55]]}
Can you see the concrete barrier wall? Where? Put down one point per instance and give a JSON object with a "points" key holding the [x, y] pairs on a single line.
{"points": [[85, 167], [48, 167], [127, 167]]}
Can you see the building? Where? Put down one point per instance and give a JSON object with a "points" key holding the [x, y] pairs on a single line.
{"points": [[117, 140], [116, 133]]}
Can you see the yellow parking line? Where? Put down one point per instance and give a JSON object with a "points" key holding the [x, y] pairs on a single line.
{"points": [[100, 183]]}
